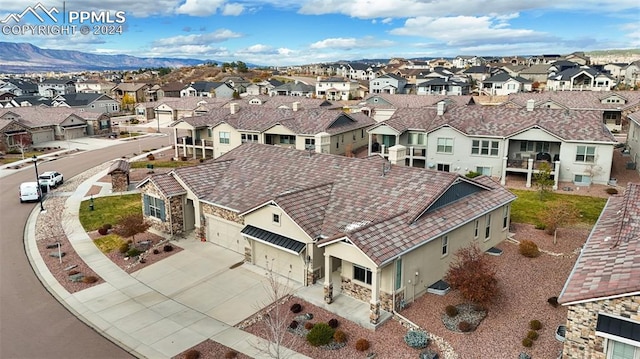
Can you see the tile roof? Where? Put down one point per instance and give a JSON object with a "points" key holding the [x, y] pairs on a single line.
{"points": [[331, 195], [414, 101], [501, 121], [577, 99], [287, 101], [129, 86], [609, 264], [166, 183], [119, 165], [35, 116]]}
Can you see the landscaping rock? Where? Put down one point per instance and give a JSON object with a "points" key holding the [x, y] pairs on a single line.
{"points": [[71, 267], [57, 255], [54, 245], [76, 277]]}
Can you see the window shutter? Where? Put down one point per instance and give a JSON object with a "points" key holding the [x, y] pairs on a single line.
{"points": [[162, 210], [145, 206]]}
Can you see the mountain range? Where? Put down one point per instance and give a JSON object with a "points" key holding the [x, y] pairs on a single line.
{"points": [[25, 57]]}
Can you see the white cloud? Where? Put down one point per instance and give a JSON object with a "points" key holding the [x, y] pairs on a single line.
{"points": [[350, 43], [233, 9], [199, 7], [198, 39]]}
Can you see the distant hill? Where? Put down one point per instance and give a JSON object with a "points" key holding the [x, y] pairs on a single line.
{"points": [[24, 57]]}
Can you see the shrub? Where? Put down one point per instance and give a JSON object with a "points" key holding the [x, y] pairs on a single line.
{"points": [[473, 275], [428, 354], [532, 334], [167, 248], [339, 336], [333, 323], [155, 251], [133, 252], [231, 354], [464, 326], [151, 157], [527, 343], [103, 231], [296, 308], [90, 279], [192, 354], [293, 324], [124, 248], [611, 190], [308, 325], [451, 310], [535, 324], [553, 301], [122, 133], [362, 345], [529, 249], [473, 174], [416, 339], [320, 334], [540, 226]]}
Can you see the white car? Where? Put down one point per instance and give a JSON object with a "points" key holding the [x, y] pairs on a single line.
{"points": [[51, 179]]}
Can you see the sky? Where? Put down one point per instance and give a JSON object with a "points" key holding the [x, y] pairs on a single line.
{"points": [[290, 32]]}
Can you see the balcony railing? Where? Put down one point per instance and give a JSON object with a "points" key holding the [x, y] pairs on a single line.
{"points": [[190, 142]]}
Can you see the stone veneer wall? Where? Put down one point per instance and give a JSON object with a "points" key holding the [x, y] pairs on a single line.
{"points": [[119, 181], [386, 301], [581, 340], [176, 205], [156, 223], [224, 214], [355, 290]]}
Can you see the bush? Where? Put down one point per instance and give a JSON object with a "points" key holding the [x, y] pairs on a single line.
{"points": [[611, 190], [529, 249], [296, 308], [451, 310], [293, 324], [473, 174], [151, 157], [535, 324], [540, 226], [464, 326], [339, 336], [320, 334], [333, 323], [428, 354], [416, 339], [308, 325], [362, 345], [103, 231], [192, 354], [527, 343], [90, 279], [231, 354], [167, 248], [155, 251], [122, 133], [133, 252], [532, 334], [124, 248], [553, 301]]}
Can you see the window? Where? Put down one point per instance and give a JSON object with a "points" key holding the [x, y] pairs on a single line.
{"points": [[249, 137], [586, 154], [505, 216], [445, 245], [582, 179], [154, 207], [445, 145], [444, 167], [287, 139], [484, 170], [362, 133], [416, 138], [309, 143], [276, 218], [224, 137], [209, 132], [398, 273], [476, 228], [361, 274], [619, 350], [487, 226], [484, 147]]}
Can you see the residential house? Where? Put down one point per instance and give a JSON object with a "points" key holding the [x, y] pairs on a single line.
{"points": [[602, 291], [6, 97], [478, 74], [237, 83], [287, 102], [134, 92], [177, 108], [337, 88], [29, 100], [633, 141], [578, 57], [543, 59], [443, 86], [514, 60], [19, 87], [86, 101], [358, 71], [562, 65], [388, 83], [263, 87], [615, 70], [95, 86], [505, 84], [218, 131], [580, 79], [54, 87], [98, 123], [382, 106], [13, 134], [207, 89], [497, 141], [444, 63], [536, 73], [464, 62], [294, 88], [171, 89], [631, 74], [379, 233], [48, 124]]}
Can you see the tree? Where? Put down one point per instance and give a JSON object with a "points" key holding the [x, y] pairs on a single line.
{"points": [[558, 214], [242, 67], [130, 225], [127, 100], [22, 142], [473, 276], [543, 179]]}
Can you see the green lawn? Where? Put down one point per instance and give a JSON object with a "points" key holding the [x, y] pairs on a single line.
{"points": [[527, 207], [109, 242], [108, 210]]}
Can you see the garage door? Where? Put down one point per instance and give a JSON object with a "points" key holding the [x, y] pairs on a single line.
{"points": [[164, 116], [225, 233], [283, 263], [41, 136], [71, 133]]}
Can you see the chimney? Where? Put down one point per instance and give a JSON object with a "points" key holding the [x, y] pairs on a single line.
{"points": [[441, 106], [234, 107], [295, 106], [530, 104], [319, 79]]}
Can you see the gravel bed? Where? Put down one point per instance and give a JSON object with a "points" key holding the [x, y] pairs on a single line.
{"points": [[209, 349]]}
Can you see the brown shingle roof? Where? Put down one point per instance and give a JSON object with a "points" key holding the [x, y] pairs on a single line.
{"points": [[609, 264], [120, 166]]}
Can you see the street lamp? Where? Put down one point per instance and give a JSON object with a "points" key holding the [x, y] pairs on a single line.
{"points": [[35, 165]]}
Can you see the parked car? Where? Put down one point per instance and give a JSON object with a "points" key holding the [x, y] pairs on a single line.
{"points": [[51, 179], [29, 192]]}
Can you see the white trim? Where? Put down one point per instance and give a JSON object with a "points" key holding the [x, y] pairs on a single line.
{"points": [[618, 339]]}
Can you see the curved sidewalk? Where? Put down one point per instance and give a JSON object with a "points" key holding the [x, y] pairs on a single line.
{"points": [[131, 310]]}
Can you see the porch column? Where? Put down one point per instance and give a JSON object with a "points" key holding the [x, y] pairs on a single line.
{"points": [[175, 142], [370, 145], [184, 147], [529, 172], [411, 156], [374, 304], [193, 143], [328, 284], [382, 150], [556, 176], [203, 151], [503, 176]]}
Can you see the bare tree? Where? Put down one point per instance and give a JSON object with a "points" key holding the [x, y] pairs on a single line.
{"points": [[130, 225], [558, 214], [22, 142]]}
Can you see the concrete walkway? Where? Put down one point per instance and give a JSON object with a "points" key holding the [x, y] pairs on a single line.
{"points": [[167, 307]]}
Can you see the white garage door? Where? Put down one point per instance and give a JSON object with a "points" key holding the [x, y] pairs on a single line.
{"points": [[283, 263], [225, 233], [71, 133], [164, 116], [42, 136]]}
